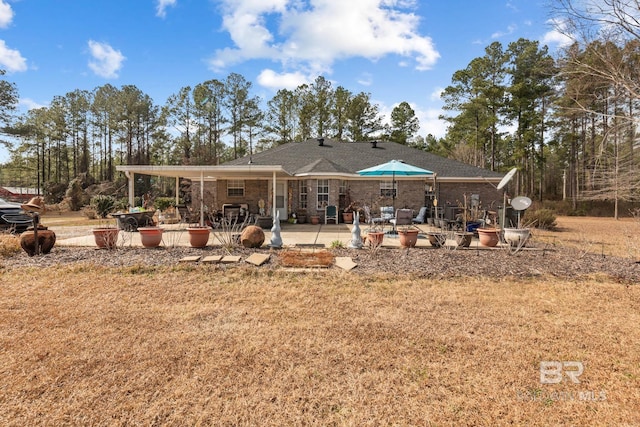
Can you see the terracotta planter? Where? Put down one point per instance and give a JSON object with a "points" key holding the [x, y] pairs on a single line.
{"points": [[375, 238], [463, 239], [488, 236], [347, 217], [198, 236], [436, 238], [150, 237], [315, 219], [408, 238], [46, 240], [106, 237], [517, 237]]}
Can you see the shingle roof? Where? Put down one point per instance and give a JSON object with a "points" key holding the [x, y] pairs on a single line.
{"points": [[349, 157]]}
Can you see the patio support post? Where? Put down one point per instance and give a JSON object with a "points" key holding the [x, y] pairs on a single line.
{"points": [[177, 191], [273, 201], [131, 181], [201, 197]]}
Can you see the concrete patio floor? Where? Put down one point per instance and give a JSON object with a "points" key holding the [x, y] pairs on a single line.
{"points": [[291, 234]]}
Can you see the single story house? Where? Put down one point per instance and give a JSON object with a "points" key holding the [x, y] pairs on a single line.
{"points": [[319, 172]]}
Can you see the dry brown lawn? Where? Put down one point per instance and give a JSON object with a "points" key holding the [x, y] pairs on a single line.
{"points": [[186, 345]]}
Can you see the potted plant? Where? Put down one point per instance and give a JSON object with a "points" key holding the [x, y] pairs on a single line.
{"points": [[488, 236], [463, 238], [375, 236], [315, 219], [437, 238], [347, 214], [150, 237], [198, 235], [301, 215], [408, 236], [106, 236]]}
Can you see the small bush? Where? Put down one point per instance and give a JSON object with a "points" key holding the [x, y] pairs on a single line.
{"points": [[9, 245], [103, 205], [163, 203], [90, 212], [337, 244], [541, 218]]}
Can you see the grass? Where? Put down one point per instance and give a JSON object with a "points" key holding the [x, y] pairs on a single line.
{"points": [[86, 345]]}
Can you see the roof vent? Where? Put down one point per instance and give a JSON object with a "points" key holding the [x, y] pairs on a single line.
{"points": [[320, 142], [374, 144]]}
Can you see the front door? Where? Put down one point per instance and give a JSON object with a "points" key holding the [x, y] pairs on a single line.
{"points": [[281, 199]]}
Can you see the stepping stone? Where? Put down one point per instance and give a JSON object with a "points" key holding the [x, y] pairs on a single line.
{"points": [[194, 258], [257, 259], [211, 259], [345, 263], [230, 259]]}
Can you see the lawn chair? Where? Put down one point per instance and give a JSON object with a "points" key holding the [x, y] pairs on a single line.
{"points": [[421, 214], [403, 217], [331, 214]]}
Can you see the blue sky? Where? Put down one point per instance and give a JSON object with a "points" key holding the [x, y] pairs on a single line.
{"points": [[397, 50]]}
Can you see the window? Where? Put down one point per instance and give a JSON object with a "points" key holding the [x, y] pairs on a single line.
{"points": [[323, 193], [388, 188], [342, 190], [235, 188], [302, 191]]}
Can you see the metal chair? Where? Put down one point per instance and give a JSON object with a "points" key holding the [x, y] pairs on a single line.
{"points": [[331, 213]]}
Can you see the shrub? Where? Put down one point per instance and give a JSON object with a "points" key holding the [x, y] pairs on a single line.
{"points": [[103, 205], [163, 203], [9, 245], [541, 218]]}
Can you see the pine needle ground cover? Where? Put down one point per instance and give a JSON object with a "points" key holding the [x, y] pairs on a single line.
{"points": [[85, 345]]}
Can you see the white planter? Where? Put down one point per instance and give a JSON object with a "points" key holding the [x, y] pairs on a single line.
{"points": [[516, 237]]}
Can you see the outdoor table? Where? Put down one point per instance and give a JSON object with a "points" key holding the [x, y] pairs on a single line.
{"points": [[130, 221]]}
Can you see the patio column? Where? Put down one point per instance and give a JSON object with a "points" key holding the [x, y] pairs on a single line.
{"points": [[201, 197], [131, 181], [177, 191], [273, 205]]}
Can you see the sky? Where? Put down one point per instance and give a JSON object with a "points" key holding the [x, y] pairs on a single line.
{"points": [[396, 50]]}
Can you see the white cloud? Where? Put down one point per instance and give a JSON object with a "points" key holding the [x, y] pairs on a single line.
{"points": [[315, 37], [510, 30], [107, 61], [161, 8], [436, 94], [11, 59], [30, 104], [558, 35], [365, 79], [6, 14], [272, 80]]}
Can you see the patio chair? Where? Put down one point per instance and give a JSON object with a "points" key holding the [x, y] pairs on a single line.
{"points": [[421, 214], [403, 217], [386, 215], [331, 213]]}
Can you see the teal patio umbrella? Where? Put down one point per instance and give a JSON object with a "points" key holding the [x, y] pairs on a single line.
{"points": [[394, 168]]}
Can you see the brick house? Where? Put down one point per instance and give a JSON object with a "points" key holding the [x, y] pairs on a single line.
{"points": [[316, 173]]}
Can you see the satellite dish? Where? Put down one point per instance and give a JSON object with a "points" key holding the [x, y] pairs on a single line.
{"points": [[521, 203], [507, 178]]}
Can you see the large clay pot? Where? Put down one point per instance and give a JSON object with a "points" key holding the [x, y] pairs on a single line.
{"points": [[463, 239], [437, 238], [198, 236], [106, 237], [315, 219], [516, 237], [252, 237], [408, 238], [347, 217], [150, 237], [488, 236], [375, 238], [46, 240]]}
